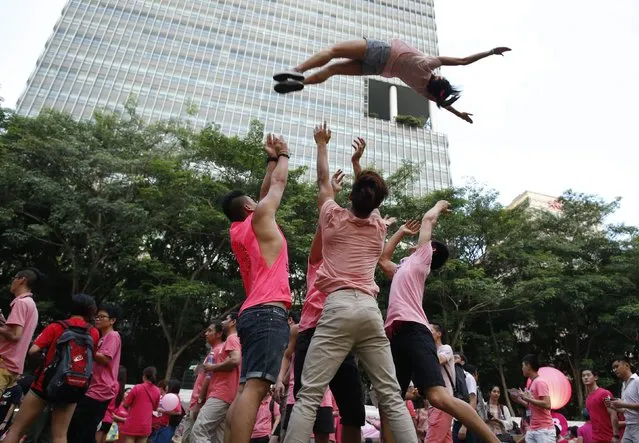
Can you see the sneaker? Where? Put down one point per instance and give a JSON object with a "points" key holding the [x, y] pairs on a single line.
{"points": [[288, 86], [288, 75]]}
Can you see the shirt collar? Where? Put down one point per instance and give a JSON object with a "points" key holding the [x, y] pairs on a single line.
{"points": [[23, 295]]}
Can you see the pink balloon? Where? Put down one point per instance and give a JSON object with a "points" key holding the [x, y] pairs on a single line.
{"points": [[558, 385], [169, 402]]}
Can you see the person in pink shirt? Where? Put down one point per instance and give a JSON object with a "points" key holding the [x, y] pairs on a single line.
{"points": [[104, 380], [414, 350], [352, 242], [262, 255], [267, 416], [373, 57], [346, 384], [17, 331], [605, 426], [143, 399], [107, 420], [223, 372], [537, 399]]}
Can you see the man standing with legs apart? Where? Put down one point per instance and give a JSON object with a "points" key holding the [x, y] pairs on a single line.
{"points": [[537, 399], [629, 402], [260, 249], [414, 350], [605, 426], [104, 381], [352, 241]]}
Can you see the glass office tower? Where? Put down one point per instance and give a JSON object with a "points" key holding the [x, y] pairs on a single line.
{"points": [[217, 57]]}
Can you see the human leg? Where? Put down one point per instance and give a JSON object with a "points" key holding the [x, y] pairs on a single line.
{"points": [[352, 49], [373, 349], [331, 343], [211, 417], [85, 420], [61, 415], [347, 389], [30, 409]]}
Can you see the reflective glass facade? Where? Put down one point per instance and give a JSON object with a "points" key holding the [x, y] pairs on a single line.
{"points": [[219, 56]]}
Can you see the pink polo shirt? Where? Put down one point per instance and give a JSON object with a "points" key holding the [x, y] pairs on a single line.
{"points": [[314, 301], [104, 380], [351, 247], [407, 289], [410, 65], [224, 385], [262, 283], [23, 313], [265, 418]]}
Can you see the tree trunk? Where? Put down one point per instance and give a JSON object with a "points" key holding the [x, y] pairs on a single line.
{"points": [[170, 364], [500, 365]]}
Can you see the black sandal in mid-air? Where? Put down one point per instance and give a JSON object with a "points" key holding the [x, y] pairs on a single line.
{"points": [[288, 75], [286, 86]]}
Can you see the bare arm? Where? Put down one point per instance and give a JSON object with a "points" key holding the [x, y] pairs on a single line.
{"points": [[430, 220], [11, 332], [271, 162], [322, 136], [614, 421], [34, 350], [102, 359], [542, 402], [463, 115], [359, 145], [385, 260], [203, 390], [231, 362], [463, 61], [286, 364], [264, 224]]}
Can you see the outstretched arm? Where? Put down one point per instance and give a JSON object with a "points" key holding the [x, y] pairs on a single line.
{"points": [[322, 136], [285, 367], [359, 144], [271, 162], [430, 220], [264, 224], [385, 260], [456, 61], [316, 246], [463, 115]]}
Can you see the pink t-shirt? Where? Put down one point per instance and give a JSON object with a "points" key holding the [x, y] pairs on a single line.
{"points": [[314, 301], [599, 416], [351, 247], [585, 432], [540, 418], [263, 284], [23, 313], [104, 381], [407, 289], [410, 65], [224, 385], [142, 400], [265, 418]]}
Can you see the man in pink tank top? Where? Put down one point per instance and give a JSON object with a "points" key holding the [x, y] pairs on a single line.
{"points": [[412, 343], [261, 252], [352, 242]]}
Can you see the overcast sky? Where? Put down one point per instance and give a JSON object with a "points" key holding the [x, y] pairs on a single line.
{"points": [[557, 112]]}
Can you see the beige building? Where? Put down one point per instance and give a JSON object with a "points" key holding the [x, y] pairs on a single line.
{"points": [[537, 202]]}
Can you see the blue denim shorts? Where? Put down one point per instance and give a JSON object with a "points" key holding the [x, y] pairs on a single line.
{"points": [[377, 54], [263, 331]]}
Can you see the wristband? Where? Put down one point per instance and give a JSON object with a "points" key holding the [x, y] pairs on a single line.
{"points": [[283, 154], [271, 159]]}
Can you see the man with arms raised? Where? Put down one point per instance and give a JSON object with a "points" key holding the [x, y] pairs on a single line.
{"points": [[261, 252], [352, 241], [413, 347]]}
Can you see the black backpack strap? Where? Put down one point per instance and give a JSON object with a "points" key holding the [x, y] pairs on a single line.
{"points": [[63, 323], [271, 407]]}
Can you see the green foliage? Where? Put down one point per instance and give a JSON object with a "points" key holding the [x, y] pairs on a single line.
{"points": [[411, 121], [128, 212]]}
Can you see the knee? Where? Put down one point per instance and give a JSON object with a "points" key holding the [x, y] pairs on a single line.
{"points": [[437, 398]]}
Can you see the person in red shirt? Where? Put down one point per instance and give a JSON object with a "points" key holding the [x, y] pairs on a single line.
{"points": [[605, 426], [83, 309]]}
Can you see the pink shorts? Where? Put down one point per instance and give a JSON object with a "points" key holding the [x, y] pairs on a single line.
{"points": [[439, 426]]}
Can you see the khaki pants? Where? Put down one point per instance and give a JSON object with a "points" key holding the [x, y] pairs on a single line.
{"points": [[7, 379], [209, 426], [351, 320]]}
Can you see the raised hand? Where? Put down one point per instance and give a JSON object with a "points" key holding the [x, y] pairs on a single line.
{"points": [[359, 144], [269, 146], [336, 181], [322, 134], [281, 148], [500, 50], [445, 205], [389, 221], [466, 116], [411, 227]]}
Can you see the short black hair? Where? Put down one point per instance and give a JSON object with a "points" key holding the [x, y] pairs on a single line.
{"points": [[461, 355], [443, 92], [471, 369], [111, 309], [368, 192], [440, 254], [151, 374], [173, 386], [83, 305], [31, 275], [593, 371], [531, 360], [218, 327], [439, 328], [233, 316], [295, 316], [233, 206]]}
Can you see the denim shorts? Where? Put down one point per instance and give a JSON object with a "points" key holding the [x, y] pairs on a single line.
{"points": [[263, 331], [377, 54]]}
